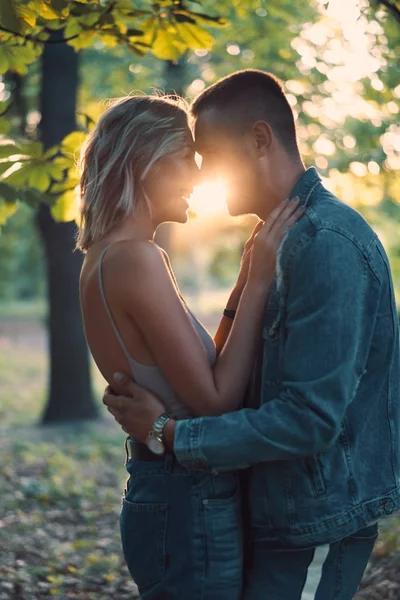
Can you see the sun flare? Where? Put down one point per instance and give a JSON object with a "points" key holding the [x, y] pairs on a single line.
{"points": [[209, 198]]}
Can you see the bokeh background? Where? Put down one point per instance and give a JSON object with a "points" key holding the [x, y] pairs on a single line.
{"points": [[61, 467]]}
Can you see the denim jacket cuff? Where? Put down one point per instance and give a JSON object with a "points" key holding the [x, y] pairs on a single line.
{"points": [[187, 444]]}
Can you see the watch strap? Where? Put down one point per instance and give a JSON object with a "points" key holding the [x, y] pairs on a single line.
{"points": [[159, 424]]}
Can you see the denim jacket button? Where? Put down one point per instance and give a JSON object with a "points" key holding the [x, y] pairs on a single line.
{"points": [[272, 332], [388, 506]]}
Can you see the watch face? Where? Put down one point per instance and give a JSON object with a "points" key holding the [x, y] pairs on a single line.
{"points": [[155, 445]]}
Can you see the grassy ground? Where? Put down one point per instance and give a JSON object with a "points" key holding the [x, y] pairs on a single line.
{"points": [[60, 487], [60, 491]]}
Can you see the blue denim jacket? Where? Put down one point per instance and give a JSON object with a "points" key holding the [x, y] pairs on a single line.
{"points": [[324, 445]]}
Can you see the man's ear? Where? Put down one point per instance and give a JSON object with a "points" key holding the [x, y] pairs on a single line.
{"points": [[262, 135]]}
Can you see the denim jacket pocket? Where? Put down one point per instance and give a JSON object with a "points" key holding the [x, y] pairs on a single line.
{"points": [[314, 469]]}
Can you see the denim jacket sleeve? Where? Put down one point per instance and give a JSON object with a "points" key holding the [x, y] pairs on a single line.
{"points": [[325, 350]]}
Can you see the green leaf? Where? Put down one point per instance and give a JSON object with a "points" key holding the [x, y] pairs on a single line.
{"points": [[34, 149], [88, 21], [208, 20], [60, 7], [15, 57], [5, 165], [54, 171], [18, 176], [133, 13], [5, 126], [120, 25], [66, 207], [73, 28], [38, 178], [167, 45], [26, 14], [8, 16], [138, 49], [65, 162], [4, 64], [88, 120], [7, 150], [84, 40], [149, 28], [59, 188], [7, 209], [78, 9], [46, 11], [72, 142], [195, 37], [51, 152]]}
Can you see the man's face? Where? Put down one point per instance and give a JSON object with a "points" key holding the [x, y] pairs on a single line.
{"points": [[231, 156]]}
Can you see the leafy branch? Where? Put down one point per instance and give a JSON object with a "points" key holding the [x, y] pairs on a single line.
{"points": [[35, 39]]}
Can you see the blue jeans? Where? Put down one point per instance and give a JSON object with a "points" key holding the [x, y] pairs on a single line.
{"points": [[281, 574], [182, 532]]}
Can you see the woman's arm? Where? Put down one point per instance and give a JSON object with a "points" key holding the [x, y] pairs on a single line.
{"points": [[141, 280], [226, 323]]}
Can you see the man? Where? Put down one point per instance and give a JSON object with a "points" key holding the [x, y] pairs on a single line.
{"points": [[321, 430]]}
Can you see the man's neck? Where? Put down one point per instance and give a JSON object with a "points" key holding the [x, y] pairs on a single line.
{"points": [[285, 178]]}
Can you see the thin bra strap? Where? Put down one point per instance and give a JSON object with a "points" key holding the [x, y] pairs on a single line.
{"points": [[103, 295]]}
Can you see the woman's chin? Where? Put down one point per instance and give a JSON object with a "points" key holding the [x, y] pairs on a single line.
{"points": [[176, 214], [183, 218], [179, 216]]}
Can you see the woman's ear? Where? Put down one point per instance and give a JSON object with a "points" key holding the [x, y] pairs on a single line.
{"points": [[262, 135]]}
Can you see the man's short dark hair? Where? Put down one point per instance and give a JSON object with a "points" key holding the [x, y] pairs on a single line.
{"points": [[249, 96]]}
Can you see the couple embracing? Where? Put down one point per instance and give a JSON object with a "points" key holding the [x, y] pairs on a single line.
{"points": [[247, 451]]}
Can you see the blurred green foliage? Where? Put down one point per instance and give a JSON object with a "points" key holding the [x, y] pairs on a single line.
{"points": [[21, 264]]}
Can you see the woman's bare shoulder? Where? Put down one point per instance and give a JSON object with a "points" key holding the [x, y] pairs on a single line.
{"points": [[130, 253], [134, 261]]}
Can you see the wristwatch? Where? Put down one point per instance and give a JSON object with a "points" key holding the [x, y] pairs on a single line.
{"points": [[154, 440]]}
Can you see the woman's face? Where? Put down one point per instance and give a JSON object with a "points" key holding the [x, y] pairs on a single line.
{"points": [[170, 183]]}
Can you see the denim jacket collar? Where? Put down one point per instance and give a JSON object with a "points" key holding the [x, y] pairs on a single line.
{"points": [[305, 185]]}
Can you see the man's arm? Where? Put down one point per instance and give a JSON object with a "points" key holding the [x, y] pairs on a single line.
{"points": [[326, 346], [325, 352]]}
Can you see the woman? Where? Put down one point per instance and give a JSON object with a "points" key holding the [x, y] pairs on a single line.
{"points": [[181, 530]]}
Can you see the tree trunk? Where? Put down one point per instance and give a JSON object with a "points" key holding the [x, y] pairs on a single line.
{"points": [[70, 393]]}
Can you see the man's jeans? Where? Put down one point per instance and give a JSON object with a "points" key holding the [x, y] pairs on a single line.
{"points": [[281, 575]]}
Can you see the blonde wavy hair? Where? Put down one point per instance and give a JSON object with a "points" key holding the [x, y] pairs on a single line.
{"points": [[129, 138]]}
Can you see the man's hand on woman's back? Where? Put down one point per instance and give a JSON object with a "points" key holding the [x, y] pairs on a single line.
{"points": [[136, 410]]}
